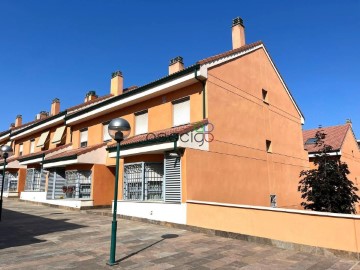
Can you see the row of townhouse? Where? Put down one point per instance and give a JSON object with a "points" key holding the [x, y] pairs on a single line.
{"points": [[223, 130]]}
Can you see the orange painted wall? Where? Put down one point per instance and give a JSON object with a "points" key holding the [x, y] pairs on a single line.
{"points": [[237, 169], [322, 231], [159, 114], [102, 184]]}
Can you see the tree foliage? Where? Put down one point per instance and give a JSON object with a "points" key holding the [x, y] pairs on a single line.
{"points": [[327, 188]]}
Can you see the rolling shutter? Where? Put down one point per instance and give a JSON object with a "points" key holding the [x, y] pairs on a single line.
{"points": [[141, 123], [172, 179], [181, 112]]}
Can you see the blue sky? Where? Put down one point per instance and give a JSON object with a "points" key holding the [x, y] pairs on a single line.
{"points": [[64, 49]]}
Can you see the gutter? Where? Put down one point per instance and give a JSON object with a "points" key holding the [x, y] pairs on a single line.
{"points": [[203, 95]]}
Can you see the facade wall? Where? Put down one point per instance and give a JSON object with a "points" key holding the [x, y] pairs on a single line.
{"points": [[238, 169], [102, 184], [326, 230]]}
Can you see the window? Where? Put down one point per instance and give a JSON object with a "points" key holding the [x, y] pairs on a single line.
{"points": [[181, 112], [59, 134], [77, 184], [21, 149], [144, 181], [265, 96], [273, 200], [32, 146], [43, 138], [83, 137], [141, 122], [106, 136], [311, 141], [268, 146], [35, 180]]}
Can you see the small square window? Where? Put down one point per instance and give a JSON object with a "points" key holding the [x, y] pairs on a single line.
{"points": [[265, 96], [273, 201], [268, 146]]}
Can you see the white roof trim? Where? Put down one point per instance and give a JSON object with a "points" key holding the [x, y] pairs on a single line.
{"points": [[31, 161], [203, 70], [4, 136], [60, 163], [337, 153], [47, 124], [133, 99], [144, 150]]}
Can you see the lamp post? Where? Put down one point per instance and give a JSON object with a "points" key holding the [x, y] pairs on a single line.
{"points": [[119, 129], [5, 151]]}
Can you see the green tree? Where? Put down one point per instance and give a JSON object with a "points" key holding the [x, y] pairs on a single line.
{"points": [[327, 188]]}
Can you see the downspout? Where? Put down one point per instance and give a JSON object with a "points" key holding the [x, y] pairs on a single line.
{"points": [[203, 90]]}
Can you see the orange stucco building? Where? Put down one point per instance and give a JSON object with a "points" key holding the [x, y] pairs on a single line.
{"points": [[225, 129]]}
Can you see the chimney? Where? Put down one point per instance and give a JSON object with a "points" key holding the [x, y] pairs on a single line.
{"points": [[12, 125], [238, 33], [18, 120], [117, 83], [91, 95], [55, 106], [176, 64], [41, 115], [348, 121]]}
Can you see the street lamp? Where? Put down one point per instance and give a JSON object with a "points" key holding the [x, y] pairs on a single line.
{"points": [[119, 129], [5, 151]]}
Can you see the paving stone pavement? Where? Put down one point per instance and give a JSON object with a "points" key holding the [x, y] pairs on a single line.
{"points": [[40, 237]]}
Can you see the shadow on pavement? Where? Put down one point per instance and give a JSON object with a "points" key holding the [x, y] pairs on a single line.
{"points": [[19, 229], [165, 236]]}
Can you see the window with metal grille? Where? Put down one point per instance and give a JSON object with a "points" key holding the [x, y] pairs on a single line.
{"points": [[144, 181], [83, 137], [12, 181], [181, 111], [77, 184], [35, 180]]}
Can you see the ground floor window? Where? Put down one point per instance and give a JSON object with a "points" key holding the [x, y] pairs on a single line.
{"points": [[10, 181], [144, 181], [35, 180], [77, 184]]}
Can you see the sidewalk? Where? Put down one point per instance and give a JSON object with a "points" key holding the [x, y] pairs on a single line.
{"points": [[39, 237]]}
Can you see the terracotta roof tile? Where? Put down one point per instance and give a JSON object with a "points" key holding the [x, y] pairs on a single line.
{"points": [[46, 152], [163, 133], [88, 103], [335, 136], [77, 152], [224, 54]]}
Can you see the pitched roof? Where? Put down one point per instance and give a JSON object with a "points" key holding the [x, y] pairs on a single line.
{"points": [[162, 133], [335, 136], [227, 53], [44, 152], [75, 152]]}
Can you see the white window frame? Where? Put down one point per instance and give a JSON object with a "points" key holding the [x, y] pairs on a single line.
{"points": [[141, 122], [106, 135], [84, 137], [180, 116], [32, 146]]}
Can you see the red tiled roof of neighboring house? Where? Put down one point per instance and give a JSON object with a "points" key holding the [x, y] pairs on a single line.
{"points": [[224, 54], [162, 133], [77, 152], [88, 103], [335, 136], [46, 152], [29, 123]]}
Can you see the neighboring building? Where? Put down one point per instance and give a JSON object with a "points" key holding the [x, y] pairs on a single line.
{"points": [[344, 147], [224, 130]]}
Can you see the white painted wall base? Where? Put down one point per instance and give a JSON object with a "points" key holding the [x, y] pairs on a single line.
{"points": [[41, 198], [169, 212], [11, 194]]}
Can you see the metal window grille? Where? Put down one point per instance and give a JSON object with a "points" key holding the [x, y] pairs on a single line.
{"points": [[12, 181], [143, 181], [78, 184], [35, 180]]}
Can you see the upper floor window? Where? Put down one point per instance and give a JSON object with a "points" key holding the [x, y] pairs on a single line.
{"points": [[181, 111], [141, 122], [83, 137], [32, 146], [265, 96], [21, 149], [106, 136]]}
